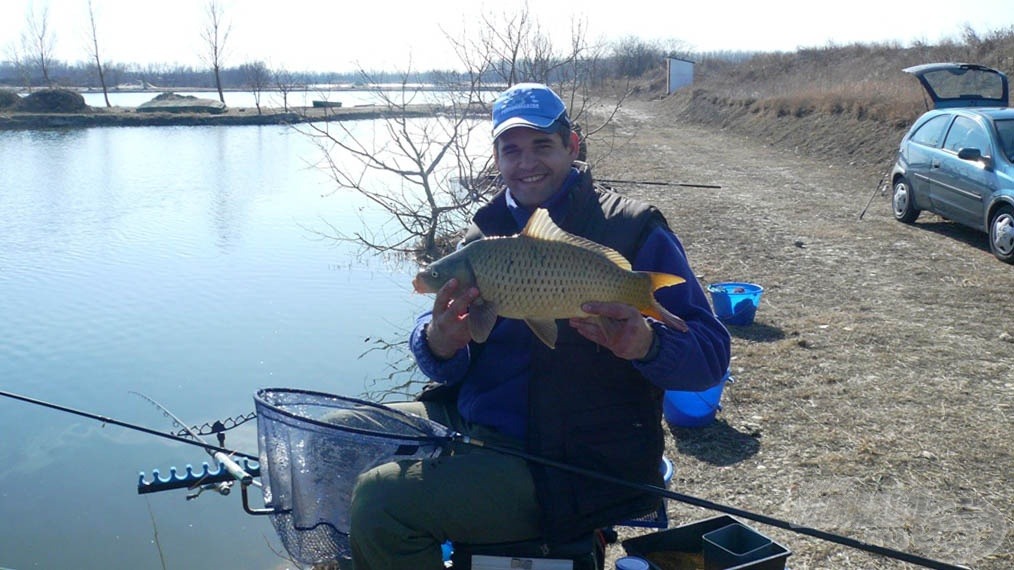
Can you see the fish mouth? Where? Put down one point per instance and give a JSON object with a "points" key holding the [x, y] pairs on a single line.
{"points": [[419, 286]]}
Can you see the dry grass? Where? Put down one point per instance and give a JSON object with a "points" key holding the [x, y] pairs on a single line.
{"points": [[874, 393]]}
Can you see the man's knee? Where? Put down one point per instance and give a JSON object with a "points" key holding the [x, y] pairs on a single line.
{"points": [[380, 495], [369, 500]]}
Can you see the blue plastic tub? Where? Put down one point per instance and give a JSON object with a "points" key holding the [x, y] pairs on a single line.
{"points": [[693, 409], [735, 302]]}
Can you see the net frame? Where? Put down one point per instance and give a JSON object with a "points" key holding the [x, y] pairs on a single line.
{"points": [[313, 446]]}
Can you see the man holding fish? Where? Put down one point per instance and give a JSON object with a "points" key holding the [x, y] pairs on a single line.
{"points": [[556, 329]]}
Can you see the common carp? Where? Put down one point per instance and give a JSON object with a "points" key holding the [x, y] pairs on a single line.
{"points": [[543, 274]]}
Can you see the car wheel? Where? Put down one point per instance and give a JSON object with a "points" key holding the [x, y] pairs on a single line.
{"points": [[1001, 234], [903, 203]]}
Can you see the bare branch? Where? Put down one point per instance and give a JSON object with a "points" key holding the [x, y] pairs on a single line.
{"points": [[39, 41], [95, 52], [215, 35]]}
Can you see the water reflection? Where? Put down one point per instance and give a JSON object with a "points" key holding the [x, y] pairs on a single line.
{"points": [[175, 262]]}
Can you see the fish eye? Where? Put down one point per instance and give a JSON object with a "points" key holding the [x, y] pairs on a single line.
{"points": [[434, 274]]}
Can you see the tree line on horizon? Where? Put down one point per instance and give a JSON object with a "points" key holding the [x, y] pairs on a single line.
{"points": [[29, 63]]}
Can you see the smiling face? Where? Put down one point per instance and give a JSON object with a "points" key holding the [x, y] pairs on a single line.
{"points": [[534, 164]]}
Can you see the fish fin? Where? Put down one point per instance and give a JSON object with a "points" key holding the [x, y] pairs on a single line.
{"points": [[544, 329], [541, 226], [481, 318], [660, 313]]}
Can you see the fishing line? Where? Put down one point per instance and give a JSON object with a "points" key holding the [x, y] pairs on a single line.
{"points": [[657, 183], [108, 420]]}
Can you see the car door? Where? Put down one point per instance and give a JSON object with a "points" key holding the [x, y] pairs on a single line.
{"points": [[960, 186], [921, 153]]}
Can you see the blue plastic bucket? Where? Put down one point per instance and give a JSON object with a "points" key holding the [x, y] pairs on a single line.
{"points": [[693, 409], [735, 302]]}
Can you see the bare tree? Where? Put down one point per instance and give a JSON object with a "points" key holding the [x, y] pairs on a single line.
{"points": [[215, 34], [257, 78], [436, 170], [95, 53], [416, 167], [39, 41], [21, 66], [285, 82], [512, 48]]}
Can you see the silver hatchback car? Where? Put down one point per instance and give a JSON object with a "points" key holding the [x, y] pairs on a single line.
{"points": [[957, 160]]}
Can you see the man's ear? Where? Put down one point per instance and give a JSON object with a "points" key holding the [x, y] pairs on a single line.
{"points": [[575, 145]]}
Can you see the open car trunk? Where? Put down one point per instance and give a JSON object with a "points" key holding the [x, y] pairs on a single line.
{"points": [[962, 84]]}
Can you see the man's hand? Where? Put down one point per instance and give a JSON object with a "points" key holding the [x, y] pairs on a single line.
{"points": [[448, 332], [617, 326]]}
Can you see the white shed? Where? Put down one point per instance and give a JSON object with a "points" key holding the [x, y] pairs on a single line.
{"points": [[681, 73]]}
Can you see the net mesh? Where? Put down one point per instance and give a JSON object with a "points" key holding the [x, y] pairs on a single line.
{"points": [[313, 446]]}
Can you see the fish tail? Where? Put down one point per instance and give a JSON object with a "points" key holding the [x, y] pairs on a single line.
{"points": [[657, 311], [660, 280]]}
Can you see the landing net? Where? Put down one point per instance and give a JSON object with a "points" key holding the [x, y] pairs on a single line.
{"points": [[312, 448]]}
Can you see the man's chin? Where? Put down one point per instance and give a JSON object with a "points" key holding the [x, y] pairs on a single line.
{"points": [[529, 195]]}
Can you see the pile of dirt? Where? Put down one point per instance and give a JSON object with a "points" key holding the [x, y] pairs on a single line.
{"points": [[173, 103], [52, 101]]}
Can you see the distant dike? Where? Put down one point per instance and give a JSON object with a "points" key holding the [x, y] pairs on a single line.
{"points": [[128, 117]]}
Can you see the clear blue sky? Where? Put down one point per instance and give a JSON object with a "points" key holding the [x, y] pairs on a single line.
{"points": [[327, 35]]}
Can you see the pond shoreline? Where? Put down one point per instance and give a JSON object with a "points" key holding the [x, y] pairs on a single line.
{"points": [[130, 117]]}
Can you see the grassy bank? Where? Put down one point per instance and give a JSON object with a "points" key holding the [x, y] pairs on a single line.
{"points": [[845, 104]]}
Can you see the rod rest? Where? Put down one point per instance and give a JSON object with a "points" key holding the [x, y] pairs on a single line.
{"points": [[189, 479]]}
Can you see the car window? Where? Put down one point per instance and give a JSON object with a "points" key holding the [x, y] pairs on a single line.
{"points": [[1005, 132], [931, 133], [966, 133]]}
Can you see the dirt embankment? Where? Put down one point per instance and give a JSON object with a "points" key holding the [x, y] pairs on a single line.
{"points": [[874, 393], [130, 117], [65, 108]]}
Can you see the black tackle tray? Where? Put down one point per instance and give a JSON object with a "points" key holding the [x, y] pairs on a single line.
{"points": [[689, 538]]}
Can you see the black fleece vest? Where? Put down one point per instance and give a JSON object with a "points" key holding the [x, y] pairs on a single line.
{"points": [[588, 408]]}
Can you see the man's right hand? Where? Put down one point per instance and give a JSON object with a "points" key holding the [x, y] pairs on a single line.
{"points": [[447, 332]]}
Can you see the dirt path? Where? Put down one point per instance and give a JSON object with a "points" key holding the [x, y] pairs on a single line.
{"points": [[873, 394]]}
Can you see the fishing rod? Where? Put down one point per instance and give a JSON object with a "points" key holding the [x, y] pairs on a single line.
{"points": [[657, 183], [666, 493], [107, 420], [881, 187], [643, 487]]}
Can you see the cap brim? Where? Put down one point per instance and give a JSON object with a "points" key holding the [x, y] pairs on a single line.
{"points": [[515, 122]]}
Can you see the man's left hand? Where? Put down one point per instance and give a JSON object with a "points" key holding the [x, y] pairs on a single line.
{"points": [[617, 326]]}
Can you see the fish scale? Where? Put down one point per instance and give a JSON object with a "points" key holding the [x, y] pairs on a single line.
{"points": [[530, 277]]}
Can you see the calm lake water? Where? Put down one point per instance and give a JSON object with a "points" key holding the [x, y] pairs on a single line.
{"points": [[183, 264], [301, 98]]}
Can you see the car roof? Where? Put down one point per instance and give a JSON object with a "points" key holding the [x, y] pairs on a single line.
{"points": [[951, 84], [988, 113], [996, 113]]}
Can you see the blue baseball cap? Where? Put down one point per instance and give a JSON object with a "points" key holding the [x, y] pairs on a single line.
{"points": [[531, 105]]}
